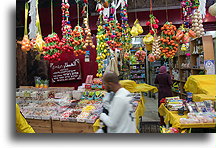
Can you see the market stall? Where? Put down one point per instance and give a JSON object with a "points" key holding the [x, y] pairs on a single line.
{"points": [[65, 110], [186, 114]]}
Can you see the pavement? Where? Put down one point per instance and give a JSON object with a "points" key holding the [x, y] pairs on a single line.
{"points": [[151, 111]]}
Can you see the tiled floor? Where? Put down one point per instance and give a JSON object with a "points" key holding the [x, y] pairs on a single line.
{"points": [[151, 112]]}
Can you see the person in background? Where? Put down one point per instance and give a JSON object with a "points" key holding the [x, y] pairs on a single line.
{"points": [[22, 125], [163, 80], [120, 118]]}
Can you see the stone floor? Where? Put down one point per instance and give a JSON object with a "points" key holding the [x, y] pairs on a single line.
{"points": [[150, 120], [151, 111]]}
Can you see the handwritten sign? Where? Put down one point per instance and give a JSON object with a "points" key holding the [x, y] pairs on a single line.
{"points": [[65, 71]]}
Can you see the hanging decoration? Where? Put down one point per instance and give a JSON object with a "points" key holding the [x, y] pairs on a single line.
{"points": [[67, 32], [212, 9], [197, 25], [140, 55], [78, 41], [102, 47], [26, 44], [52, 50], [33, 13], [153, 24], [202, 7], [187, 8], [168, 45], [136, 29], [148, 40], [125, 36], [156, 52]]}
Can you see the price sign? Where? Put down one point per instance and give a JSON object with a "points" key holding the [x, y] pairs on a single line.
{"points": [[65, 71]]}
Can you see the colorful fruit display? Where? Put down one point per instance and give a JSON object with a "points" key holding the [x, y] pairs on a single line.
{"points": [[168, 46], [148, 40], [26, 44], [52, 51], [153, 24], [78, 41], [136, 29], [183, 35], [102, 49], [126, 37], [88, 38], [140, 55]]}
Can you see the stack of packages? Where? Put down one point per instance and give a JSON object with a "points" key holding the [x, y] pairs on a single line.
{"points": [[174, 103], [200, 112]]}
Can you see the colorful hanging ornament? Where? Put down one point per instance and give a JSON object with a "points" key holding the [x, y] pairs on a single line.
{"points": [[140, 55], [26, 44], [156, 52], [197, 25], [136, 29], [168, 44], [52, 51], [88, 38], [153, 24]]}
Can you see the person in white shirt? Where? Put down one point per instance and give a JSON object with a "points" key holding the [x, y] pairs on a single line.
{"points": [[120, 118]]}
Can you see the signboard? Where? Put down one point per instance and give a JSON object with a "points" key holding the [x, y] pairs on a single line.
{"points": [[65, 71]]}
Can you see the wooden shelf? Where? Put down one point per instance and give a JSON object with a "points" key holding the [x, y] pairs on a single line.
{"points": [[137, 78], [197, 69], [138, 64], [197, 54], [176, 92], [185, 68], [176, 80], [137, 72]]}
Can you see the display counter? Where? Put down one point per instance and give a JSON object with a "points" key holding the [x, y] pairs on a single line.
{"points": [[172, 117], [54, 126]]}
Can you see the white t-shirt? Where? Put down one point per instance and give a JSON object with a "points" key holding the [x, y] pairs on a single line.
{"points": [[121, 117]]}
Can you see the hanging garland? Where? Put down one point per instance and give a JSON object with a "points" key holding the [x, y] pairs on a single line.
{"points": [[153, 24], [168, 46], [52, 50], [26, 44]]}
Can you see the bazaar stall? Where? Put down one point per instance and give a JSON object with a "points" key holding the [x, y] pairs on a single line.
{"points": [[68, 95]]}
